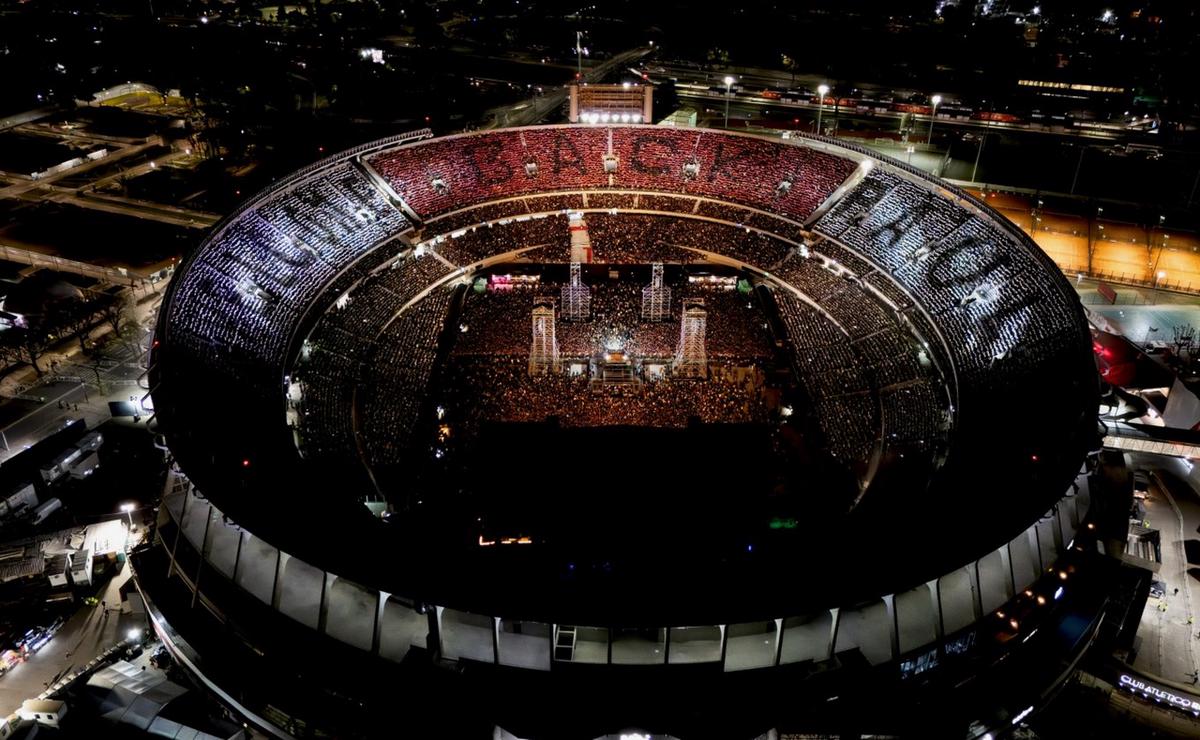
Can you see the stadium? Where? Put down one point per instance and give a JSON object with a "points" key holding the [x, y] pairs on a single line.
{"points": [[623, 428]]}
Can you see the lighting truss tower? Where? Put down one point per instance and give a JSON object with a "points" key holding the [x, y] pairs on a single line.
{"points": [[576, 297], [656, 297], [543, 354], [691, 361]]}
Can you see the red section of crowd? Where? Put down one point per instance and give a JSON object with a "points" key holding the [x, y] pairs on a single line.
{"points": [[447, 174]]}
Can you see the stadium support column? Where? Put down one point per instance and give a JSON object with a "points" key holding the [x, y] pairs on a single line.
{"points": [[976, 592], [281, 561], [205, 551], [496, 640], [178, 529], [327, 580], [778, 640], [834, 615], [1006, 565], [543, 355], [935, 601], [889, 603], [377, 630], [691, 361], [437, 624], [1036, 544]]}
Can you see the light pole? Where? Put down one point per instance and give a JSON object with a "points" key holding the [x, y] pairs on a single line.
{"points": [[127, 509], [822, 91], [936, 100], [579, 56], [728, 89], [982, 141]]}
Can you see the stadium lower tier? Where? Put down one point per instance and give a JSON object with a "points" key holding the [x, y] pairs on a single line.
{"points": [[300, 651]]}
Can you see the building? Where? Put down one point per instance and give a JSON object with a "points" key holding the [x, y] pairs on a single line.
{"points": [[43, 711]]}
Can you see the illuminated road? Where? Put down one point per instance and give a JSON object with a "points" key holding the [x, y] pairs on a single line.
{"points": [[88, 632]]}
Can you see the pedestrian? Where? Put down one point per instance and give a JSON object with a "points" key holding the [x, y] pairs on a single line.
{"points": [[76, 407]]}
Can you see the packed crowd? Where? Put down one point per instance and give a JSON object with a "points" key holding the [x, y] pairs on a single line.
{"points": [[397, 376], [836, 384], [354, 342], [447, 174], [499, 323], [236, 305], [620, 238], [501, 389], [989, 294], [881, 385], [474, 244]]}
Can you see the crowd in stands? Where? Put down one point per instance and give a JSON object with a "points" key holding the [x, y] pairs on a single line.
{"points": [[553, 203], [479, 242], [499, 323], [346, 343], [623, 201], [987, 294], [338, 214], [894, 261], [837, 385], [477, 215], [621, 238], [914, 415], [447, 174], [362, 358], [398, 372], [237, 305]]}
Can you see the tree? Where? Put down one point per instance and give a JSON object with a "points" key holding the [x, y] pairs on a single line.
{"points": [[120, 317], [26, 345], [79, 318], [117, 313]]}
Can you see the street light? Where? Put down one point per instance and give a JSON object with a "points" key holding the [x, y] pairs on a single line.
{"points": [[936, 100], [982, 140], [128, 509], [822, 91], [133, 635], [728, 88]]}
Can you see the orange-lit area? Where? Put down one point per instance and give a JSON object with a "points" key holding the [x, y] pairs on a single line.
{"points": [[1121, 252], [524, 540]]}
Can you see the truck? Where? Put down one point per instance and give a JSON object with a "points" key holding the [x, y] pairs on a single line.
{"points": [[44, 510], [85, 466], [90, 442], [58, 466]]}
